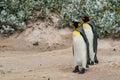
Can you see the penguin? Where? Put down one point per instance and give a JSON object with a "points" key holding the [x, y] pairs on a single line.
{"points": [[91, 34], [80, 48]]}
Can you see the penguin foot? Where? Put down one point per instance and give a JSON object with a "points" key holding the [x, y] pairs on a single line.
{"points": [[87, 66], [92, 63], [82, 71], [96, 61], [76, 69], [88, 62]]}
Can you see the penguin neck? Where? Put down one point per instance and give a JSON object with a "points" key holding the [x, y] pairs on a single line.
{"points": [[76, 33], [86, 26], [85, 21], [75, 29]]}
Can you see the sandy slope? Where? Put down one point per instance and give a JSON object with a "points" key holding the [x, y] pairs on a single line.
{"points": [[58, 64]]}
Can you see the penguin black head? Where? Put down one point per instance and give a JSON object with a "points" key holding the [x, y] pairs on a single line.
{"points": [[85, 18], [76, 24]]}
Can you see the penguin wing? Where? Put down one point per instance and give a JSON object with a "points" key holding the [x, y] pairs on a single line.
{"points": [[73, 50], [95, 43], [80, 29]]}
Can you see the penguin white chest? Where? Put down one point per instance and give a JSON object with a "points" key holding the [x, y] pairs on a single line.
{"points": [[89, 34], [79, 47]]}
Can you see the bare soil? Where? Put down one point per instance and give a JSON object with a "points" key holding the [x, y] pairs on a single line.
{"points": [[58, 64], [52, 58]]}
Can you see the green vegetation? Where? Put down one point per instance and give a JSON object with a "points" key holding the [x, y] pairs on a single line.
{"points": [[45, 7], [13, 14], [105, 14]]}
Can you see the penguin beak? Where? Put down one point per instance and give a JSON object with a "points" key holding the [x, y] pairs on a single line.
{"points": [[89, 18], [73, 22]]}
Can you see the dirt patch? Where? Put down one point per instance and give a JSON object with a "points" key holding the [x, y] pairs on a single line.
{"points": [[58, 64], [44, 34], [44, 53]]}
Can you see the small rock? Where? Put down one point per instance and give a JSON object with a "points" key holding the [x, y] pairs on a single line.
{"points": [[2, 72], [24, 76], [9, 71], [44, 77], [36, 44], [40, 64], [30, 70], [1, 65], [114, 49], [48, 78]]}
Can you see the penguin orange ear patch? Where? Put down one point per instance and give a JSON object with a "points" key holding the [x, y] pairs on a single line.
{"points": [[82, 18], [89, 18], [79, 24]]}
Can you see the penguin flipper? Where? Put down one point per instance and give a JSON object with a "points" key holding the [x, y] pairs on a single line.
{"points": [[80, 29], [73, 50], [95, 42]]}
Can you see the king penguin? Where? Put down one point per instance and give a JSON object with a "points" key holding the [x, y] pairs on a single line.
{"points": [[91, 34], [80, 48]]}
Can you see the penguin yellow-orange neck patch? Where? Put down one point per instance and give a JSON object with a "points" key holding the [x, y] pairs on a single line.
{"points": [[79, 24], [86, 26], [76, 33]]}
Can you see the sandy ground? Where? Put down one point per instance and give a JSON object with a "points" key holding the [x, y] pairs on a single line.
{"points": [[58, 64], [52, 58]]}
